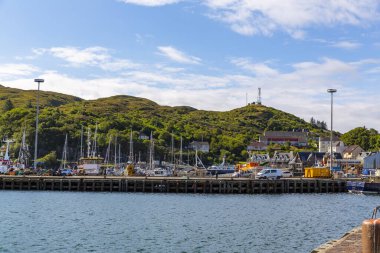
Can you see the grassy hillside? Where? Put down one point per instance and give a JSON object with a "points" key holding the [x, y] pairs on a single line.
{"points": [[227, 132], [24, 98]]}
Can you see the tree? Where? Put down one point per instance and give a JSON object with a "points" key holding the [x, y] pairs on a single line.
{"points": [[358, 136], [8, 105], [50, 160], [324, 125]]}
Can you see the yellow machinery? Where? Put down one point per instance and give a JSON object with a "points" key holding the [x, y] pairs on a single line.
{"points": [[317, 172], [246, 166], [129, 171]]}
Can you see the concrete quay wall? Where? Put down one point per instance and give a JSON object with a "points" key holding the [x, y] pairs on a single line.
{"points": [[171, 184]]}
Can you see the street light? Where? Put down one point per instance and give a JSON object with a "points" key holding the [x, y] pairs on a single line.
{"points": [[331, 91], [38, 110]]}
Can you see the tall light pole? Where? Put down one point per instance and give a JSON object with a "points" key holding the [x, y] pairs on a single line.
{"points": [[331, 91], [38, 110]]}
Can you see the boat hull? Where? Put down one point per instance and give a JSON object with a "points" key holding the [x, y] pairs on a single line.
{"points": [[363, 187], [220, 171]]}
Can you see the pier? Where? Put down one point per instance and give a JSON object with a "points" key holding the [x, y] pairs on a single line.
{"points": [[171, 184], [349, 243]]}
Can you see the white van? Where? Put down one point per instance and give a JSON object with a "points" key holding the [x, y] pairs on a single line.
{"points": [[269, 173]]}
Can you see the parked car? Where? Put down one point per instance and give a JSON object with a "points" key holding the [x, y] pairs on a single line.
{"points": [[66, 172], [269, 174], [286, 173]]}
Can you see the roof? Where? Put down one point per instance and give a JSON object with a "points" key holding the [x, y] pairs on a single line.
{"points": [[257, 144], [304, 155], [284, 133], [352, 148]]}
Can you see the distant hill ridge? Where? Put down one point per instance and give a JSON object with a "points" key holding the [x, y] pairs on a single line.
{"points": [[21, 97], [227, 132]]}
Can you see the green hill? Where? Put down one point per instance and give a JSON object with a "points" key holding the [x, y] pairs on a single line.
{"points": [[227, 132], [26, 98]]}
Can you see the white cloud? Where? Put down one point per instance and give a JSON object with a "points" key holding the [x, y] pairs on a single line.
{"points": [[259, 69], [346, 45], [250, 17], [91, 56], [178, 56], [301, 90], [75, 56], [329, 67], [16, 70], [118, 64], [150, 3]]}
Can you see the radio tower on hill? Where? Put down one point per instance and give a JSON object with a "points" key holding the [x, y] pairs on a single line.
{"points": [[259, 97]]}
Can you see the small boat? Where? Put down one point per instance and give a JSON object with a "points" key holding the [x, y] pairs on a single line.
{"points": [[162, 172], [222, 168], [362, 187], [371, 184]]}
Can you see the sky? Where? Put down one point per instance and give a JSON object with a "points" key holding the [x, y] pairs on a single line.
{"points": [[211, 54]]}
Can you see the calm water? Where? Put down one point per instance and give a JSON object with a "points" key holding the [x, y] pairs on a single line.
{"points": [[134, 222]]}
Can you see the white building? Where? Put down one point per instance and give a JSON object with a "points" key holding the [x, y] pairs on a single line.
{"points": [[337, 145]]}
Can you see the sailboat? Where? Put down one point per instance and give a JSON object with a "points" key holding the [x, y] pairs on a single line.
{"points": [[5, 161], [23, 155], [91, 164], [63, 170], [131, 169], [152, 170], [117, 170]]}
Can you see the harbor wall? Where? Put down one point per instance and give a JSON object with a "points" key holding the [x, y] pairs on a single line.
{"points": [[171, 184]]}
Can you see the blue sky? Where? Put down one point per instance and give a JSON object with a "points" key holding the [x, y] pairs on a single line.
{"points": [[206, 54]]}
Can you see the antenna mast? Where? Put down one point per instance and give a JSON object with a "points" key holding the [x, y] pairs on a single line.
{"points": [[259, 97]]}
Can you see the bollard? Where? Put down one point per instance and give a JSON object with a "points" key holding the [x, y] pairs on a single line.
{"points": [[371, 234]]}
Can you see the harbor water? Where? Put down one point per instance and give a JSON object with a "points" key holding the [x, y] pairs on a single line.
{"points": [[33, 221]]}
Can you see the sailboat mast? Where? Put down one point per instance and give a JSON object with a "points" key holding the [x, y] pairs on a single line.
{"points": [[131, 147], [196, 157], [151, 152], [107, 159], [95, 137], [81, 142], [8, 142], [119, 155], [64, 153], [88, 142], [180, 152], [172, 158], [115, 151], [23, 153]]}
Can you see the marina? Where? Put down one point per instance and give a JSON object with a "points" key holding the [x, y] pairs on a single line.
{"points": [[172, 184]]}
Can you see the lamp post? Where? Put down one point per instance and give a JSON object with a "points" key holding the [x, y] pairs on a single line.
{"points": [[38, 110], [331, 91]]}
